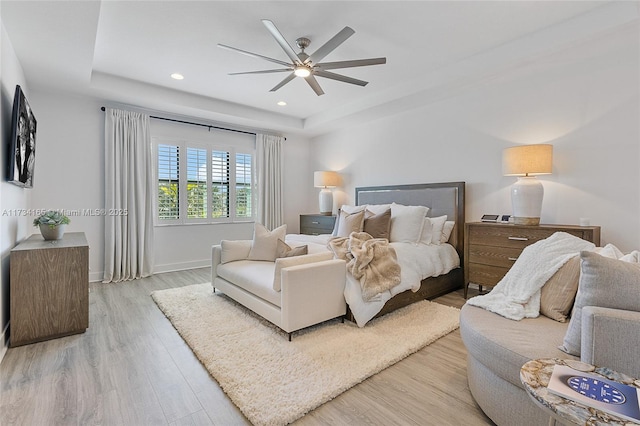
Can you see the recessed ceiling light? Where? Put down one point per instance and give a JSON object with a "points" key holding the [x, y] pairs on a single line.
{"points": [[177, 76], [282, 103]]}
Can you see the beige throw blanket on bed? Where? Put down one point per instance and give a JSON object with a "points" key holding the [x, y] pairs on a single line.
{"points": [[370, 260]]}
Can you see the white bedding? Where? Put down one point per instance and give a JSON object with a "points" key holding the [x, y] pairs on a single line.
{"points": [[417, 262]]}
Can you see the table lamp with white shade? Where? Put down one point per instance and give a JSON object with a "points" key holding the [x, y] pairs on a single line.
{"points": [[326, 180], [527, 161]]}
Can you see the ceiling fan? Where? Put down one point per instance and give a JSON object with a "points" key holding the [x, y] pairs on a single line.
{"points": [[309, 66]]}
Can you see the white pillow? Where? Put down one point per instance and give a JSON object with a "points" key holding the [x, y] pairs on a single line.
{"points": [[609, 251], [265, 243], [437, 225], [446, 231], [407, 222], [633, 257], [234, 250], [427, 231]]}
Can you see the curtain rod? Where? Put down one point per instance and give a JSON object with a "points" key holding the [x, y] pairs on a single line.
{"points": [[198, 124]]}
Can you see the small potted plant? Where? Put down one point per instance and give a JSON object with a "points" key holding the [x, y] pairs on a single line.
{"points": [[52, 224]]}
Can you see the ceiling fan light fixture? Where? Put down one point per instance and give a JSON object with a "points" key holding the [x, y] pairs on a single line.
{"points": [[308, 66], [302, 71]]}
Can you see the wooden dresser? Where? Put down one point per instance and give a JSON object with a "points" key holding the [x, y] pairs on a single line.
{"points": [[49, 285], [490, 249], [316, 224]]}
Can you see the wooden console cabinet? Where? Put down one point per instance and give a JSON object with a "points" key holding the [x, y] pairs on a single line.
{"points": [[49, 288], [490, 249]]}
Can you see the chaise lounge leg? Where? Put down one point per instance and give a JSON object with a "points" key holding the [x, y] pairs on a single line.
{"points": [[342, 319], [289, 336], [214, 289]]}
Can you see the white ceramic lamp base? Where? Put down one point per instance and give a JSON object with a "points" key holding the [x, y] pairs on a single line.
{"points": [[526, 200], [326, 202]]}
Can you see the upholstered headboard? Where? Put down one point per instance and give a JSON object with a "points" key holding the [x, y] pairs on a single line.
{"points": [[441, 198]]}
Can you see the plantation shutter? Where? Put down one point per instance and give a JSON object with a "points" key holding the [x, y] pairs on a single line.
{"points": [[168, 182]]}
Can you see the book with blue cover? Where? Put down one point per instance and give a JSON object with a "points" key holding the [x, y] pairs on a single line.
{"points": [[594, 391]]}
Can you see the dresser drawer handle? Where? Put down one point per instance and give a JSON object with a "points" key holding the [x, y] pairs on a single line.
{"points": [[316, 223], [513, 259], [519, 238]]}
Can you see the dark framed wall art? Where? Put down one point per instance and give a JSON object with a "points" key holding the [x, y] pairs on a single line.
{"points": [[22, 149]]}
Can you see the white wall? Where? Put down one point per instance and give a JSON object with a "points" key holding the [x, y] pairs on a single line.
{"points": [[70, 175], [14, 226], [69, 169], [584, 101]]}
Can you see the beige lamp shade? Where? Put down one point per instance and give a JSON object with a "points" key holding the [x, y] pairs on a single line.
{"points": [[527, 160], [326, 179]]}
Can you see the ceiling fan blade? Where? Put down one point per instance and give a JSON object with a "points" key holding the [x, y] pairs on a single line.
{"points": [[255, 55], [328, 47], [261, 72], [351, 64], [281, 41], [283, 82], [344, 79], [314, 85]]}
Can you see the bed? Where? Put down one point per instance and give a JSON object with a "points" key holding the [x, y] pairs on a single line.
{"points": [[442, 199]]}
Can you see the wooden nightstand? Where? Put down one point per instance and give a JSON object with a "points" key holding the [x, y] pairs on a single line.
{"points": [[490, 249], [316, 224]]}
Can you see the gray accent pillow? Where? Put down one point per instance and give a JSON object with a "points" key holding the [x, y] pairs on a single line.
{"points": [[559, 293], [284, 250], [349, 223], [348, 209], [377, 225], [606, 283]]}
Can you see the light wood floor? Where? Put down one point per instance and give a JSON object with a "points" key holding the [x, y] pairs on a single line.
{"points": [[132, 368]]}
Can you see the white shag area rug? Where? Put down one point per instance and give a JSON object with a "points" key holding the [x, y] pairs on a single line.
{"points": [[274, 381]]}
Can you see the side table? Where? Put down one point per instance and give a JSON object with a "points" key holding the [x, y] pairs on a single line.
{"points": [[535, 376], [49, 288], [316, 224]]}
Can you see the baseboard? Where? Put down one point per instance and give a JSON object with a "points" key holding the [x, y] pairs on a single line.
{"points": [[4, 342], [181, 266], [159, 269]]}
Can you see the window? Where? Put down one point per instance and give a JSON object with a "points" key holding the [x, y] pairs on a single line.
{"points": [[220, 183], [203, 184], [168, 189], [244, 182], [196, 183]]}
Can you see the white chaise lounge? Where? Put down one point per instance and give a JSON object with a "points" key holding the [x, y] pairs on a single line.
{"points": [[292, 293]]}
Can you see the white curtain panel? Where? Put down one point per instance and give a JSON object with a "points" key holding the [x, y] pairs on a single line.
{"points": [[269, 165], [128, 196]]}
